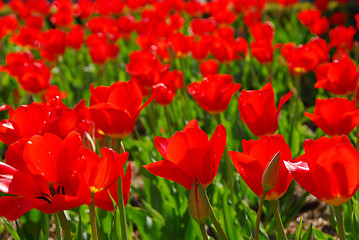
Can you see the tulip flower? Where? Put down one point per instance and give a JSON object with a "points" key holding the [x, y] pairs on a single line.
{"points": [[101, 174], [214, 92], [308, 17], [342, 37], [189, 155], [209, 67], [33, 76], [258, 111], [115, 109], [38, 119], [339, 77], [327, 169], [252, 163], [75, 37], [335, 116], [41, 172], [305, 57]]}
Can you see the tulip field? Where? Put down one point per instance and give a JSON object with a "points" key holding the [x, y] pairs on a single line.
{"points": [[172, 119]]}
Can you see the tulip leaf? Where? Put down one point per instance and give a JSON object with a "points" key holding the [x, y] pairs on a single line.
{"points": [[298, 234], [308, 234], [11, 230]]}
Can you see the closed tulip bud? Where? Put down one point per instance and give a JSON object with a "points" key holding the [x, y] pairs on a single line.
{"points": [[197, 203], [271, 173]]}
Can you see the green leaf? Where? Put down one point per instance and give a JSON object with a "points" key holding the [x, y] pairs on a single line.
{"points": [[308, 234], [79, 235], [298, 234], [11, 230]]}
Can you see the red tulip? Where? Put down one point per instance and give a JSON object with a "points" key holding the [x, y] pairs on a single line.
{"points": [[253, 161], [35, 21], [162, 94], [27, 37], [339, 77], [146, 68], [342, 37], [258, 111], [62, 17], [40, 172], [335, 116], [99, 48], [208, 67], [83, 8], [189, 155], [214, 92], [202, 25], [53, 44], [328, 169], [338, 18], [252, 17], [115, 109], [8, 23], [75, 37], [320, 27], [39, 119], [305, 57], [33, 76], [104, 26], [308, 17], [102, 173]]}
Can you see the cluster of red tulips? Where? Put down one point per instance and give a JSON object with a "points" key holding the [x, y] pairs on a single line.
{"points": [[145, 57]]}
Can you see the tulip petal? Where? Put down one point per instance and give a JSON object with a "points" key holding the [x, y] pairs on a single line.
{"points": [[13, 208], [170, 171], [213, 156], [283, 100], [161, 144]]}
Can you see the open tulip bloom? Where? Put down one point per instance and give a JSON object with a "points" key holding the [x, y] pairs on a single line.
{"points": [[51, 175], [189, 155], [328, 169], [192, 161]]}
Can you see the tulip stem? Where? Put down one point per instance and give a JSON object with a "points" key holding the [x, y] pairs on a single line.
{"points": [[228, 164], [58, 227], [339, 216], [93, 218], [65, 225], [121, 206], [278, 220], [46, 225], [203, 231], [121, 210], [168, 121], [294, 117], [215, 220], [259, 214]]}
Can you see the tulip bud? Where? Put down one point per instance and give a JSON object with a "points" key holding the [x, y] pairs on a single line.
{"points": [[198, 204], [271, 173]]}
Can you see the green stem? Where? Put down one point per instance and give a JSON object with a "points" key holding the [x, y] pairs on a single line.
{"points": [[278, 220], [203, 231], [168, 121], [121, 209], [65, 225], [228, 164], [46, 225], [294, 117], [259, 214], [339, 216], [215, 221], [58, 227], [93, 218]]}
